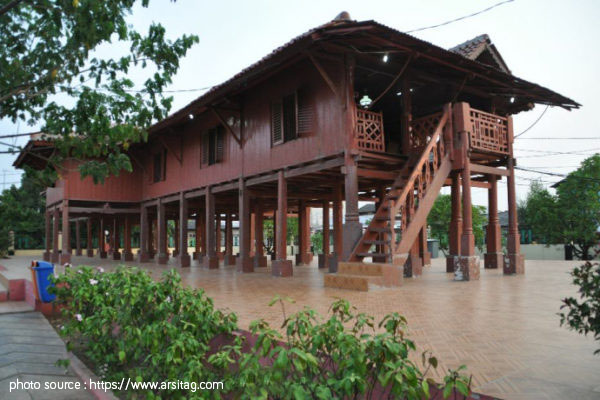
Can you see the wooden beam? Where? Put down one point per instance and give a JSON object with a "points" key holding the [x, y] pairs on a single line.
{"points": [[324, 74], [376, 174], [179, 158], [484, 169], [393, 82], [226, 125], [103, 210]]}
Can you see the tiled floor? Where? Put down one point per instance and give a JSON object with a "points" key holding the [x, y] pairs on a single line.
{"points": [[504, 328]]}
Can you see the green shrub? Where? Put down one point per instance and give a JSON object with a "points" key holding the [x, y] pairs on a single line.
{"points": [[134, 327], [583, 315]]}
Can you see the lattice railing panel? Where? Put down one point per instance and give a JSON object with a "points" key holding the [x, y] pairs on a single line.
{"points": [[489, 132], [369, 131], [422, 129]]}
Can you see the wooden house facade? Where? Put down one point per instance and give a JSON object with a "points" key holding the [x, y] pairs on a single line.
{"points": [[346, 112]]}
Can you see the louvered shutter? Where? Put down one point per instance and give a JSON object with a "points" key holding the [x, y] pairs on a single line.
{"points": [[289, 117], [220, 139], [276, 123], [305, 116], [205, 150]]}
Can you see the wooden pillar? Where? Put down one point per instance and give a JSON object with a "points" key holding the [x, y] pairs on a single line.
{"points": [[229, 258], [199, 229], [211, 260], [101, 239], [78, 251], [406, 118], [90, 248], [55, 221], [423, 250], [65, 256], [176, 239], [324, 256], [352, 230], [381, 248], [252, 232], [274, 253], [259, 255], [218, 237], [163, 255], [244, 262], [145, 239], [302, 244], [152, 239], [493, 258], [469, 262], [116, 243], [48, 236], [455, 229], [337, 229], [515, 261], [183, 256], [127, 254], [281, 266]]}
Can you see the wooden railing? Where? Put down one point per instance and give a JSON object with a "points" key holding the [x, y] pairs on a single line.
{"points": [[488, 132], [422, 129], [369, 134]]}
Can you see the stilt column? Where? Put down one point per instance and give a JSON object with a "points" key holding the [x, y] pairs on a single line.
{"points": [[143, 255], [210, 261], [90, 248], [78, 237], [65, 256], [244, 262], [55, 220], [454, 236], [337, 229], [324, 256], [469, 262], [48, 236], [116, 243], [515, 261], [259, 253], [163, 255], [229, 258], [494, 258], [281, 266], [183, 256]]}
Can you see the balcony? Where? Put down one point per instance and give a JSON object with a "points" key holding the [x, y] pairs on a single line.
{"points": [[369, 134]]}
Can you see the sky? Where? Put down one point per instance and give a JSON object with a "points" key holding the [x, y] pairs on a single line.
{"points": [[552, 43]]}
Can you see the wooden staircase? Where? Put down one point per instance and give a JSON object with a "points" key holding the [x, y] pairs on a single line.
{"points": [[403, 211]]}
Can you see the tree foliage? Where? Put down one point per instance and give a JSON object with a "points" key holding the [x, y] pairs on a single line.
{"points": [[440, 216], [540, 212], [53, 72]]}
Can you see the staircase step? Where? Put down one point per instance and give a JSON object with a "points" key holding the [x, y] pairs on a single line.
{"points": [[360, 268], [353, 282], [377, 242]]}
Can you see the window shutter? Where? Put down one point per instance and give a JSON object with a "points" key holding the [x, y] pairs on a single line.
{"points": [[289, 117], [305, 112], [164, 165], [220, 132], [204, 148], [276, 123]]}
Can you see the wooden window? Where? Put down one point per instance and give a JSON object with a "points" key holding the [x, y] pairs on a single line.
{"points": [[213, 146], [159, 167], [291, 117]]}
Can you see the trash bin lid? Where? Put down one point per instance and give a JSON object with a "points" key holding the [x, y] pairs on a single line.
{"points": [[44, 265]]}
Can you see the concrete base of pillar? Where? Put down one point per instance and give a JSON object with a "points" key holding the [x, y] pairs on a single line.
{"points": [[103, 254], [426, 259], [469, 269], [244, 264], [332, 263], [90, 253], [229, 259], [54, 257], [352, 232], [116, 255], [221, 256], [493, 260], [260, 261], [65, 258], [46, 256], [282, 268], [273, 256], [163, 258], [303, 259], [515, 264], [413, 266], [323, 260], [127, 256], [211, 262], [184, 260], [78, 252], [451, 263], [143, 257], [196, 255]]}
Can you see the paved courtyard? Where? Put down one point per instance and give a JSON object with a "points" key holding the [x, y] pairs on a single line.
{"points": [[504, 328]]}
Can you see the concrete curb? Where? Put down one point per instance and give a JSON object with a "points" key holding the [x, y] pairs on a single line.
{"points": [[85, 374]]}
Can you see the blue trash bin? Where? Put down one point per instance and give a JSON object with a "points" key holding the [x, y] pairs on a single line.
{"points": [[43, 271]]}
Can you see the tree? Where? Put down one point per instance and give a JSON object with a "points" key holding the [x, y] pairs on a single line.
{"points": [[22, 210], [52, 72], [439, 220], [539, 212], [269, 236]]}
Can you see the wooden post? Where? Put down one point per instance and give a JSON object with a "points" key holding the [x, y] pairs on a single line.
{"points": [[352, 230], [454, 236], [281, 266], [274, 253], [423, 250], [301, 233], [337, 229], [101, 239], [211, 260], [218, 237], [515, 261], [244, 262], [197, 255], [176, 239], [65, 256], [127, 254], [259, 254], [229, 258], [90, 248], [55, 220], [493, 258], [48, 239], [152, 239], [163, 254], [324, 256], [144, 254], [406, 118], [183, 256], [77, 238], [115, 240]]}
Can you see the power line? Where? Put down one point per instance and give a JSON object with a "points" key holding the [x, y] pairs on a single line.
{"points": [[535, 122], [562, 138], [13, 135], [461, 18]]}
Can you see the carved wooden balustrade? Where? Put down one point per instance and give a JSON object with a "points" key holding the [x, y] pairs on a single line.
{"points": [[422, 129], [369, 131], [488, 132]]}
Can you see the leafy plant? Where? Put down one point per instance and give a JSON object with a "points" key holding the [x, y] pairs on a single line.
{"points": [[583, 315]]}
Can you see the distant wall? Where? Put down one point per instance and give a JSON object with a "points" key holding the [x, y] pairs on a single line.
{"points": [[543, 252]]}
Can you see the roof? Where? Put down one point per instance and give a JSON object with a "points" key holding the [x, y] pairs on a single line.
{"points": [[35, 153], [457, 59], [477, 48]]}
